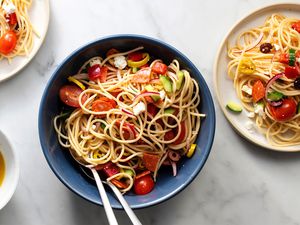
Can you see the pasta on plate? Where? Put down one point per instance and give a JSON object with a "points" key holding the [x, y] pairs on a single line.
{"points": [[264, 67], [16, 30]]}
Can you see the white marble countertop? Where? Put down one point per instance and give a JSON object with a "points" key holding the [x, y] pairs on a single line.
{"points": [[240, 183]]}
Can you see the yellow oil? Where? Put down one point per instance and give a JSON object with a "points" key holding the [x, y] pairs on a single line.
{"points": [[2, 168]]}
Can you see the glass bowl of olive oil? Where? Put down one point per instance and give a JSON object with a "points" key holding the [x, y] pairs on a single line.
{"points": [[9, 170]]}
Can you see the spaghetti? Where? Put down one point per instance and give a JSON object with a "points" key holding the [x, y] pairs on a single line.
{"points": [[131, 116], [16, 31], [264, 66]]}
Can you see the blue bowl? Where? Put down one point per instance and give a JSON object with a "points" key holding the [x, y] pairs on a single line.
{"points": [[66, 169]]}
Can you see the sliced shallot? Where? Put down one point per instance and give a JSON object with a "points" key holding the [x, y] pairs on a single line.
{"points": [[174, 167], [174, 156], [128, 112], [270, 82], [253, 44]]}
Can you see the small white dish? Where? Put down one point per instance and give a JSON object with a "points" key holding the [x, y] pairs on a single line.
{"points": [[11, 176], [39, 16], [223, 85]]}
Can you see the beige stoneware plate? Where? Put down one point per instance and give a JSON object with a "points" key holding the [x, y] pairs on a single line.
{"points": [[39, 16], [223, 85]]}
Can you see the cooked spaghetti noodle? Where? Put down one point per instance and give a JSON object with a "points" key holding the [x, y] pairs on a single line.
{"points": [[264, 66], [14, 18], [140, 124]]}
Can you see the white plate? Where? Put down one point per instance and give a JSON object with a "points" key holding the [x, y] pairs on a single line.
{"points": [[223, 85], [39, 16]]}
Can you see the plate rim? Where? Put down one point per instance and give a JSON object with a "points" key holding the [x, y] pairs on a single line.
{"points": [[34, 52], [215, 75]]}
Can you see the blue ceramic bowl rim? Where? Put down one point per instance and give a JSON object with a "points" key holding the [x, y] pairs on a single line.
{"points": [[204, 90]]}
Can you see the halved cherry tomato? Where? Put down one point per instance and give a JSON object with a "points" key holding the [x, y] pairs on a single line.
{"points": [[152, 109], [159, 68], [169, 135], [296, 26], [285, 111], [128, 130], [69, 94], [150, 161], [142, 76], [101, 105], [8, 42], [119, 184], [12, 18], [258, 91], [143, 185], [181, 137], [297, 54], [110, 101], [115, 94], [135, 56], [291, 72], [284, 58], [96, 72]]}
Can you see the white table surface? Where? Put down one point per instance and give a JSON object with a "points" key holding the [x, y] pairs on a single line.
{"points": [[240, 183]]}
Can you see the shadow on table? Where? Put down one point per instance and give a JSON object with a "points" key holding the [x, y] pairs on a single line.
{"points": [[270, 155]]}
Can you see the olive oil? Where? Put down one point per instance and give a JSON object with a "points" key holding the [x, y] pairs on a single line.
{"points": [[2, 168]]}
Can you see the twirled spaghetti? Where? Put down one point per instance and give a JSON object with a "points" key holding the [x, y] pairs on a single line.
{"points": [[16, 31], [132, 116], [264, 66]]}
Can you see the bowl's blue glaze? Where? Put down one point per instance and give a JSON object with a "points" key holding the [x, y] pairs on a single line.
{"points": [[66, 169]]}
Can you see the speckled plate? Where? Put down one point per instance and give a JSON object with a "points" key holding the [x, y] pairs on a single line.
{"points": [[223, 85], [39, 16]]}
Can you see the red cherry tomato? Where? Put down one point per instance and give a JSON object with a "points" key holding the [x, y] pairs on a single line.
{"points": [[69, 94], [12, 18], [181, 137], [135, 56], [296, 26], [285, 111], [169, 135], [284, 58], [291, 72], [102, 105], [8, 42], [150, 161], [159, 68], [258, 91], [152, 110], [96, 72], [143, 185], [128, 130]]}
